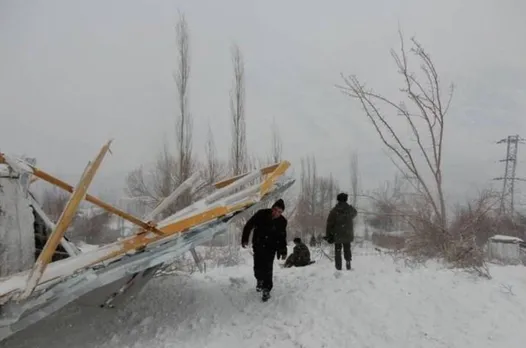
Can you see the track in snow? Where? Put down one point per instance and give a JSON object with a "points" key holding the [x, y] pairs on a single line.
{"points": [[379, 304]]}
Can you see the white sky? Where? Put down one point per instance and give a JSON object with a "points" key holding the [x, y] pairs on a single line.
{"points": [[76, 73]]}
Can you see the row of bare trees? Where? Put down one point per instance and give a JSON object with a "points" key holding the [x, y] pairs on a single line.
{"points": [[316, 197], [147, 187], [90, 225]]}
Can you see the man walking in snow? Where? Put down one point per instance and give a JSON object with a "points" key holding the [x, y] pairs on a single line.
{"points": [[300, 256], [340, 230], [269, 239]]}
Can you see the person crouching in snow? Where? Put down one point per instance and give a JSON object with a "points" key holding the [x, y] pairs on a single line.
{"points": [[269, 239], [300, 256]]}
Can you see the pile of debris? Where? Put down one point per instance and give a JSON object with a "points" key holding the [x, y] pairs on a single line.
{"points": [[46, 271]]}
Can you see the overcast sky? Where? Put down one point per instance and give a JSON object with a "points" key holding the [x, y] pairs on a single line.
{"points": [[75, 73]]}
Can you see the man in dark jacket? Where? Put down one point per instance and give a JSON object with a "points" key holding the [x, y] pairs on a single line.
{"points": [[300, 256], [269, 238], [340, 230]]}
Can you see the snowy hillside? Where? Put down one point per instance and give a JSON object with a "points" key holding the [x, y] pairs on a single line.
{"points": [[378, 304]]}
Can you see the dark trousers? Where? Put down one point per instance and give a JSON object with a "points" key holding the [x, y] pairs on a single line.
{"points": [[338, 253], [263, 267]]}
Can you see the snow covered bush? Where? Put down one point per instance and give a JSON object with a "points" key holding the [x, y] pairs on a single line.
{"points": [[461, 243]]}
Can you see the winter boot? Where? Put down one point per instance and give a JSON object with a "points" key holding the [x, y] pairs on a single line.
{"points": [[348, 265], [259, 286], [266, 295]]}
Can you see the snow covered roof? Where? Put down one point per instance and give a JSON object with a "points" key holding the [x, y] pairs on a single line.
{"points": [[499, 238]]}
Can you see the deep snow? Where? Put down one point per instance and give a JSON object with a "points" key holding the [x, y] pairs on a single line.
{"points": [[378, 304]]}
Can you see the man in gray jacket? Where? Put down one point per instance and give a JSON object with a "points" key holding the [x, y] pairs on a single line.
{"points": [[340, 230]]}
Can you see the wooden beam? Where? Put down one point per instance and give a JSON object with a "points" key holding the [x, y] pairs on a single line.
{"points": [[67, 187], [63, 222]]}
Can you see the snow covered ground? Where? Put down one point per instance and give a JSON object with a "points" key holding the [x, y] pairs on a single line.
{"points": [[378, 304]]}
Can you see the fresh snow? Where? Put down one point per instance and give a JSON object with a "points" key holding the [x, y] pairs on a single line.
{"points": [[380, 303]]}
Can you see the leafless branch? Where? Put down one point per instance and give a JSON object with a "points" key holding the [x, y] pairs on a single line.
{"points": [[426, 122]]}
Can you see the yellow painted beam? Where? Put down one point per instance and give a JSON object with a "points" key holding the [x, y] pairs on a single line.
{"points": [[64, 221], [266, 185], [141, 240]]}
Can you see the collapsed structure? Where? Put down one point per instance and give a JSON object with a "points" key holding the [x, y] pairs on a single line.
{"points": [[44, 278]]}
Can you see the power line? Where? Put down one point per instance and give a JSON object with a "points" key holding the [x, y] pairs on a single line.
{"points": [[508, 187]]}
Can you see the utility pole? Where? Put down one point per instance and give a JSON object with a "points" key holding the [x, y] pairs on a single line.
{"points": [[508, 187]]}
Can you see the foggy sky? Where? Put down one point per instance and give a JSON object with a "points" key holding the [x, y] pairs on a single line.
{"points": [[75, 73]]}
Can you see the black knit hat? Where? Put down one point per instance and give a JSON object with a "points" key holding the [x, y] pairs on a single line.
{"points": [[342, 197], [297, 240], [279, 204]]}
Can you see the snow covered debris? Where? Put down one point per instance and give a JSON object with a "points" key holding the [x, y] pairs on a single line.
{"points": [[17, 241], [85, 247], [378, 304], [4, 170]]}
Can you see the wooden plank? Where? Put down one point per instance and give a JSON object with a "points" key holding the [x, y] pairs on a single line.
{"points": [[65, 186], [63, 222], [98, 202]]}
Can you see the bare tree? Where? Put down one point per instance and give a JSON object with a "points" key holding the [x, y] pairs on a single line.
{"points": [[213, 169], [316, 198], [355, 179], [277, 145], [184, 122], [147, 188], [93, 227], [424, 110], [54, 201], [388, 204], [239, 155]]}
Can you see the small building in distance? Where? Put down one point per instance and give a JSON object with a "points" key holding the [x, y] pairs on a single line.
{"points": [[507, 250]]}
